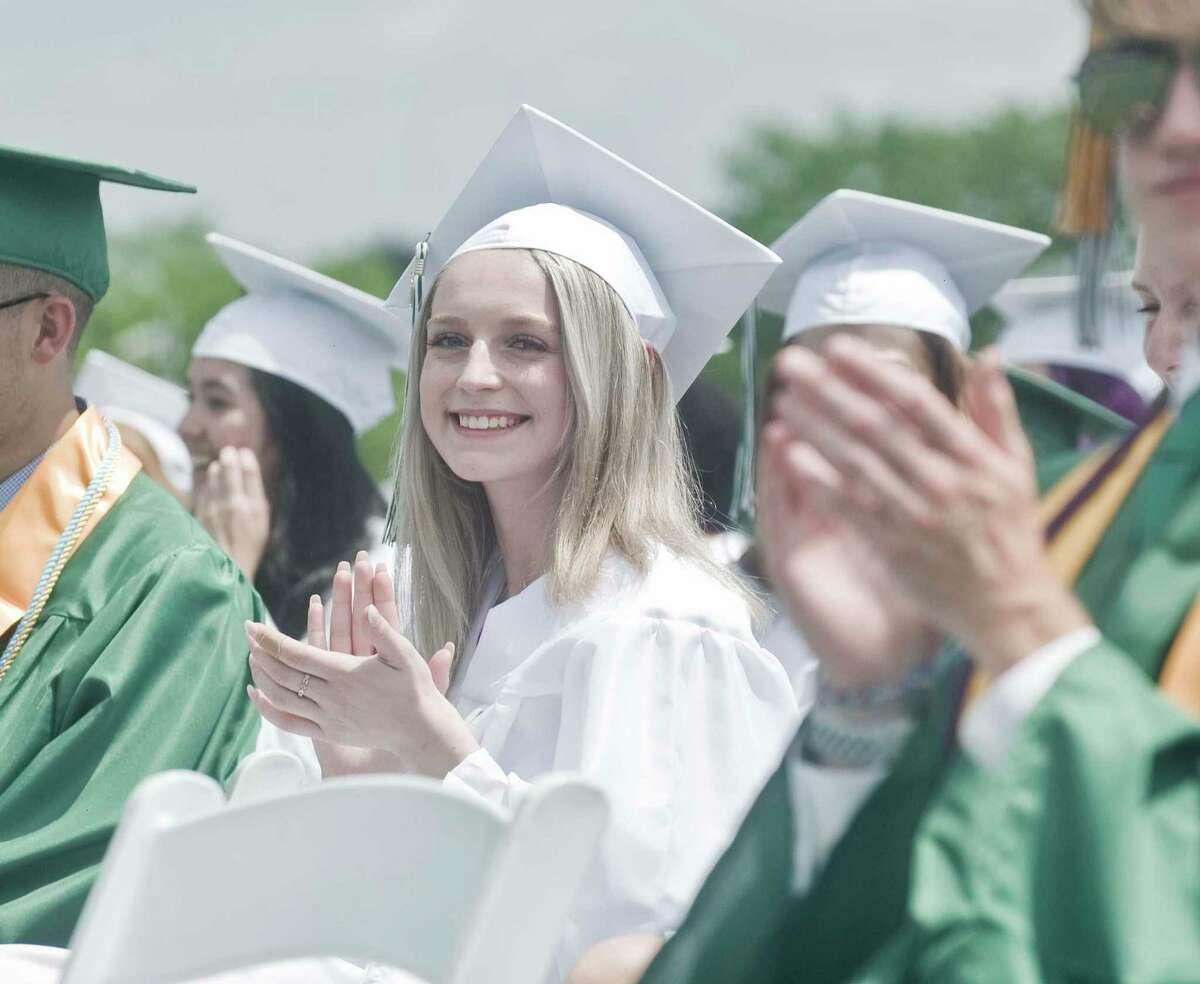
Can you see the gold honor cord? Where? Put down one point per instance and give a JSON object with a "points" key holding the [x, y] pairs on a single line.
{"points": [[63, 549]]}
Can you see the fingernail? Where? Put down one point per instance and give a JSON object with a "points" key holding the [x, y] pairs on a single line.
{"points": [[361, 557], [250, 691], [373, 614], [450, 646], [343, 566], [314, 600], [251, 630]]}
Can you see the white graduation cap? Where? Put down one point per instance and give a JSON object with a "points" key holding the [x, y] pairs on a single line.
{"points": [[334, 340], [684, 275], [1041, 329], [150, 405], [859, 259]]}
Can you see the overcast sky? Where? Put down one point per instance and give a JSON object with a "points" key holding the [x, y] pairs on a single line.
{"points": [[313, 125]]}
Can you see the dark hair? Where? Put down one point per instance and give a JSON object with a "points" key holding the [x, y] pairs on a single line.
{"points": [[947, 367], [18, 279], [321, 498], [712, 433]]}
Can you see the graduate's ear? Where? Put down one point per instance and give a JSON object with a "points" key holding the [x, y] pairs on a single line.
{"points": [[55, 327]]}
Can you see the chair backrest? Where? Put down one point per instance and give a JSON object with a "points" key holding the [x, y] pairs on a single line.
{"points": [[398, 870], [264, 774]]}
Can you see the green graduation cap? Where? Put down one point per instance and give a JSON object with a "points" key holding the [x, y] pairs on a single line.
{"points": [[50, 214]]}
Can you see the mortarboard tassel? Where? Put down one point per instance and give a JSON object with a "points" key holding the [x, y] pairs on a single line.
{"points": [[742, 508], [1085, 206], [416, 289], [1086, 213]]}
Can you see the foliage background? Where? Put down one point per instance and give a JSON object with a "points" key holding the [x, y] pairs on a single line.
{"points": [[1006, 167]]}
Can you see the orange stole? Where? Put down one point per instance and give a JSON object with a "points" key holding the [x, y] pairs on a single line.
{"points": [[1075, 543], [32, 522]]}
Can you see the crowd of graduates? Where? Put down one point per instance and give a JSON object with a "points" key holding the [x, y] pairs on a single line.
{"points": [[933, 715]]}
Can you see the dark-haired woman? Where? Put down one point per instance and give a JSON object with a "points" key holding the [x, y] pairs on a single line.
{"points": [[281, 382]]}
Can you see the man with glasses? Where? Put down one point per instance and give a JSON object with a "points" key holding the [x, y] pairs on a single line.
{"points": [[122, 651], [1039, 817]]}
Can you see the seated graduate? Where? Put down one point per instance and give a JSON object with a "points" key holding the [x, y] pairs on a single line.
{"points": [[905, 279], [121, 644], [282, 380], [552, 532], [1054, 840], [147, 411]]}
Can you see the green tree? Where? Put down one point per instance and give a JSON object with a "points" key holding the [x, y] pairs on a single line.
{"points": [[1006, 167]]}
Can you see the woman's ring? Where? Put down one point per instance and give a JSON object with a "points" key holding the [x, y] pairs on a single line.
{"points": [[304, 685]]}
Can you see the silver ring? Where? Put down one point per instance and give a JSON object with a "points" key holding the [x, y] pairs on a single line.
{"points": [[304, 685]]}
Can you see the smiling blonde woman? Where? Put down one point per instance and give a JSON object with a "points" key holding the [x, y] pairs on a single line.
{"points": [[552, 535]]}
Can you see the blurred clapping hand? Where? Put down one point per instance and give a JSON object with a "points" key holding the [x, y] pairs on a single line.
{"points": [[231, 504]]}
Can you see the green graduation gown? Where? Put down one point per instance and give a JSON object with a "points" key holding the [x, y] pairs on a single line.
{"points": [[1079, 860], [137, 664]]}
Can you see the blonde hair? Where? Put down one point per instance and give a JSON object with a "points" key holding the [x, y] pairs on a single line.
{"points": [[1176, 19], [625, 484]]}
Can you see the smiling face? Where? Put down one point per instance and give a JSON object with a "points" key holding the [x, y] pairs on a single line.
{"points": [[1166, 284], [1161, 167], [494, 391], [225, 412]]}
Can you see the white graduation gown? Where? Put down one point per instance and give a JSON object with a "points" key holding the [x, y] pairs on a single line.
{"points": [[655, 689]]}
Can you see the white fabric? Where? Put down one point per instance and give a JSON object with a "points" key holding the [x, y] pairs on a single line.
{"points": [[337, 342], [105, 380], [590, 241], [784, 641], [950, 266], [22, 963], [992, 721], [152, 406], [655, 690], [689, 268], [824, 801], [879, 283]]}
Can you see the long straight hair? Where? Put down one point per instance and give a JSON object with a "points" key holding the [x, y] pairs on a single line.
{"points": [[621, 468]]}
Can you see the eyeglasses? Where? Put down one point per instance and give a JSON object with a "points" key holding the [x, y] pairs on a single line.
{"points": [[1124, 86], [23, 300]]}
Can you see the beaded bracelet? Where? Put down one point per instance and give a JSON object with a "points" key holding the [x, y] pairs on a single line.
{"points": [[918, 681]]}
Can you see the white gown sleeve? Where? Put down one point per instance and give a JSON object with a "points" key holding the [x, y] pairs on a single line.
{"points": [[679, 725]]}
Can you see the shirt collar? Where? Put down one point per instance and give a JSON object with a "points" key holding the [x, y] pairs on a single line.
{"points": [[10, 486]]}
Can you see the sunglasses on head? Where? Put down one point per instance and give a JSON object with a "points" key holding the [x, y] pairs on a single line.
{"points": [[1123, 86]]}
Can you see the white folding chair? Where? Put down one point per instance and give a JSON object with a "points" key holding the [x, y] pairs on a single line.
{"points": [[397, 870], [264, 774]]}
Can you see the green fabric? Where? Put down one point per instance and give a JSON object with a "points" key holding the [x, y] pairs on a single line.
{"points": [[733, 918], [137, 665], [1079, 861], [51, 219], [1061, 424]]}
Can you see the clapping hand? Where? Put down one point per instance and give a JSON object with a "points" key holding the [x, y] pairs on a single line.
{"points": [[863, 629], [947, 502], [230, 502], [369, 690]]}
